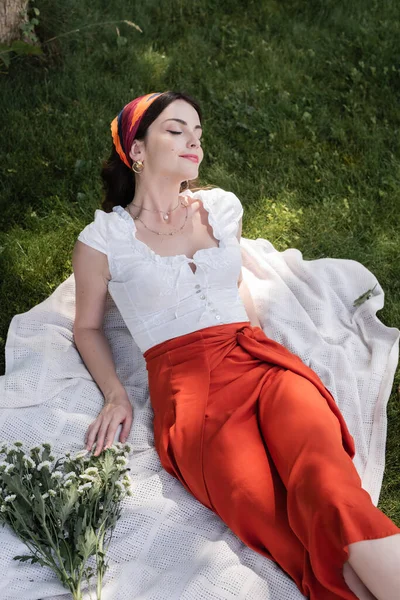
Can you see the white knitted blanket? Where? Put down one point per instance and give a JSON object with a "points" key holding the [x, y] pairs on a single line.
{"points": [[167, 545]]}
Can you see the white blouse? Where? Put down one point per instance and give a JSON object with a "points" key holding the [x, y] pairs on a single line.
{"points": [[159, 297]]}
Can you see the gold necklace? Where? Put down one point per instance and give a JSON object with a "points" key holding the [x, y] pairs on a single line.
{"points": [[165, 214], [183, 203]]}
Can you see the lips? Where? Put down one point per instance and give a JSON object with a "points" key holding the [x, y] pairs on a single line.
{"points": [[191, 157]]}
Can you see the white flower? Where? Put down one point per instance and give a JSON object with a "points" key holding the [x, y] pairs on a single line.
{"points": [[92, 471], [52, 492], [9, 467], [44, 496], [68, 483], [69, 475], [27, 459], [126, 482], [88, 477], [122, 461], [28, 477], [3, 463], [119, 485], [80, 454], [57, 475], [3, 508], [45, 463], [10, 498], [85, 486]]}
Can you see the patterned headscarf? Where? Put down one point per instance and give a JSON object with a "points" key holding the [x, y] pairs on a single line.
{"points": [[126, 123]]}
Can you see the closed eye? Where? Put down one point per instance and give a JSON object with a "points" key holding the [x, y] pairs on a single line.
{"points": [[178, 133]]}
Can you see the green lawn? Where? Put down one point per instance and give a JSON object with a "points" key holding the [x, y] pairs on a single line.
{"points": [[301, 121]]}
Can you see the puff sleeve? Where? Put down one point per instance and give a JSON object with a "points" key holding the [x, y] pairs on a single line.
{"points": [[229, 211], [95, 234]]}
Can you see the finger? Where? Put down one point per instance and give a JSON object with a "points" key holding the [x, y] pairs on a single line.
{"points": [[91, 434], [111, 432], [106, 435], [86, 437], [100, 438]]}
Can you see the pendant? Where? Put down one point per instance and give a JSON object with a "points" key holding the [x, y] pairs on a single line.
{"points": [[166, 217]]}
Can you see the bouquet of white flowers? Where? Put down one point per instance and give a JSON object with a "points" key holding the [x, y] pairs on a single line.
{"points": [[63, 511]]}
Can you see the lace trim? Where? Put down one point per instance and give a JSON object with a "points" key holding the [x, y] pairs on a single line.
{"points": [[146, 251]]}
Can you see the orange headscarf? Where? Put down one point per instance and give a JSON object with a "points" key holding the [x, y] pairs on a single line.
{"points": [[126, 123]]}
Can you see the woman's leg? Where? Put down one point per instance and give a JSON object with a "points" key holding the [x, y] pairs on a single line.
{"points": [[355, 583], [327, 507], [377, 563]]}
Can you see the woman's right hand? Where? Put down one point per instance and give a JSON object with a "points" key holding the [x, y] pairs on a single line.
{"points": [[117, 409]]}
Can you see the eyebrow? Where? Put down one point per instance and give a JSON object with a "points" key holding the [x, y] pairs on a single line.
{"points": [[183, 122]]}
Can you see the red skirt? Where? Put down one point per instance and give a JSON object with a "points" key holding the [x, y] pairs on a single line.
{"points": [[255, 436]]}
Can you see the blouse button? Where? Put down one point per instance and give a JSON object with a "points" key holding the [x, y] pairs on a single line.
{"points": [[217, 317], [202, 296]]}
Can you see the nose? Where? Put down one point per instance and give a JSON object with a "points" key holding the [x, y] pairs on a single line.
{"points": [[194, 141]]}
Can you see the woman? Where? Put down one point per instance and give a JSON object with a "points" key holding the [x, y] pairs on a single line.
{"points": [[246, 427]]}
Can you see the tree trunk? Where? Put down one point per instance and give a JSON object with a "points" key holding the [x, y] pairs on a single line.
{"points": [[10, 19]]}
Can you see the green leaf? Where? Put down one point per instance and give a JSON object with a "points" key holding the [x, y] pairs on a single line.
{"points": [[64, 551], [70, 496], [23, 48], [87, 543], [24, 557], [13, 483], [39, 502], [45, 453], [6, 58]]}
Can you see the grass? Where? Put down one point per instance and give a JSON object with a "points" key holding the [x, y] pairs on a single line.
{"points": [[301, 121]]}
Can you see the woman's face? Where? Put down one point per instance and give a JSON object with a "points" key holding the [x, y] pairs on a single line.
{"points": [[175, 132]]}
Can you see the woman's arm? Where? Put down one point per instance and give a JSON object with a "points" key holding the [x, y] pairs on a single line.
{"points": [[245, 292], [248, 304]]}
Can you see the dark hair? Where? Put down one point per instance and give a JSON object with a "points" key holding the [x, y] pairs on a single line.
{"points": [[118, 179]]}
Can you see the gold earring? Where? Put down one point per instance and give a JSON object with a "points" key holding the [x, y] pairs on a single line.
{"points": [[138, 163]]}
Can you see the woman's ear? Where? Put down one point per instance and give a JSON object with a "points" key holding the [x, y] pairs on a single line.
{"points": [[136, 151]]}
